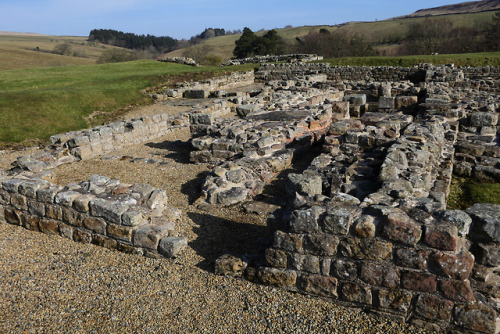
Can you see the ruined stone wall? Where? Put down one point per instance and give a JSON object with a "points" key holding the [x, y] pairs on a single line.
{"points": [[289, 58], [129, 218]]}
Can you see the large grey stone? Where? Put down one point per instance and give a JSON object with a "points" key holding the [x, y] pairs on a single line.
{"points": [[485, 222], [171, 246]]}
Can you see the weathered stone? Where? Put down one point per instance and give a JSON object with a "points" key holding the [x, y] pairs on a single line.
{"points": [[232, 196], [488, 255], [307, 263], [171, 246], [277, 277], [66, 198], [378, 275], [66, 231], [459, 291], [109, 210], [82, 203], [103, 241], [433, 308], [82, 236], [20, 202], [12, 216], [36, 208], [339, 220], [401, 228], [307, 185], [288, 241], [158, 200], [456, 266], [441, 236], [476, 317], [412, 258], [365, 227], [148, 236], [369, 249], [12, 185], [396, 300], [48, 226], [119, 232], [94, 224], [455, 217], [229, 265], [320, 244], [485, 222], [319, 285], [276, 258], [356, 293], [344, 269], [306, 221], [71, 216], [30, 222], [29, 188], [133, 218], [418, 281], [483, 119]]}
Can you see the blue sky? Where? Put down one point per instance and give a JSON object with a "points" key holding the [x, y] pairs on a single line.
{"points": [[186, 18]]}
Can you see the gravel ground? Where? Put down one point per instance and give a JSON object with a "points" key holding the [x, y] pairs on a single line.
{"points": [[50, 284]]}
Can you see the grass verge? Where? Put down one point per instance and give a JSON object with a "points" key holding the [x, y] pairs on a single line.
{"points": [[466, 192], [37, 103], [465, 59]]}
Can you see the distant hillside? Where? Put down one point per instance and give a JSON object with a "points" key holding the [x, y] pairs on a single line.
{"points": [[459, 8]]}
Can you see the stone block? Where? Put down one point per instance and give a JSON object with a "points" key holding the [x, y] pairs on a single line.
{"points": [[128, 249], [83, 236], [319, 285], [365, 227], [66, 198], [418, 281], [148, 236], [484, 119], [12, 185], [477, 317], [395, 300], [232, 196], [229, 265], [96, 225], [199, 118], [411, 258], [288, 241], [356, 293], [71, 216], [455, 217], [171, 246], [123, 233], [53, 211], [356, 99], [111, 211], [320, 244], [195, 94], [485, 222], [307, 263], [404, 102], [29, 188], [66, 231], [20, 202], [308, 185], [456, 266], [344, 269], [48, 194], [103, 241], [441, 236], [488, 255], [82, 203], [134, 218], [307, 220], [401, 228], [378, 275], [36, 208], [433, 308], [30, 222], [12, 216], [48, 226], [387, 103], [277, 277], [339, 220], [459, 291], [276, 258], [366, 249]]}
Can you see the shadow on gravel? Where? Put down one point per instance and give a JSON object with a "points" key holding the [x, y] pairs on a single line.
{"points": [[218, 236], [179, 150], [192, 188]]}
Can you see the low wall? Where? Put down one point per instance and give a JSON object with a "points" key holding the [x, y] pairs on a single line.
{"points": [[289, 58], [130, 218]]}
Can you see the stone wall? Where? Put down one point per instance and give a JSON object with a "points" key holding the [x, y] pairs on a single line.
{"points": [[289, 58], [130, 218]]}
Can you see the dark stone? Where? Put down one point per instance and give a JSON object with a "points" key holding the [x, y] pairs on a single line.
{"points": [[412, 258], [320, 244], [401, 228], [276, 258], [433, 308], [477, 317], [397, 299], [356, 293], [456, 266], [441, 236], [319, 285], [459, 291], [485, 222], [277, 277], [378, 275], [344, 269], [416, 281], [229, 265]]}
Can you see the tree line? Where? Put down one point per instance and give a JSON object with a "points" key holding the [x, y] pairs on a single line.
{"points": [[133, 41]]}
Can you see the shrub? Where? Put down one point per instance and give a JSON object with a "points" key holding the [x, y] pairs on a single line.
{"points": [[116, 56]]}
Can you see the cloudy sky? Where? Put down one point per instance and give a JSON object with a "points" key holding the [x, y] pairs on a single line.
{"points": [[186, 18]]}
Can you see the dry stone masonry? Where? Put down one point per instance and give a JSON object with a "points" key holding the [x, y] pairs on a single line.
{"points": [[365, 224]]}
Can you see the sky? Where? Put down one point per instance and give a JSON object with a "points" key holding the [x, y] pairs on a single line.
{"points": [[186, 18]]}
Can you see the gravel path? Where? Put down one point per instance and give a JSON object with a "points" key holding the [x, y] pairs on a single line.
{"points": [[50, 284]]}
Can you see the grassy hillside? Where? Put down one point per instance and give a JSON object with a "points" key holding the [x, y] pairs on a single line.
{"points": [[37, 103], [387, 32], [18, 51]]}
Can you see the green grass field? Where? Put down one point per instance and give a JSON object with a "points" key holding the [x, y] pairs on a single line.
{"points": [[37, 103], [464, 59], [466, 192]]}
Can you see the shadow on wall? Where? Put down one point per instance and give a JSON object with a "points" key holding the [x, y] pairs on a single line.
{"points": [[218, 236], [178, 150]]}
